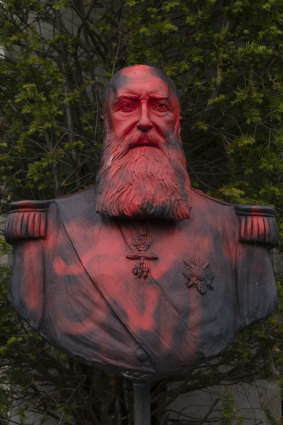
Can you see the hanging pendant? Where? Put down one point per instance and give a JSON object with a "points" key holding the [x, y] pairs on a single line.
{"points": [[141, 243]]}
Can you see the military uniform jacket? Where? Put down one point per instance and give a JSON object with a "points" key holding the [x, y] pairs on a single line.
{"points": [[150, 298]]}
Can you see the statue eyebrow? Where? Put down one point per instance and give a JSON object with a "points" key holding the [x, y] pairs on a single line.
{"points": [[136, 97], [129, 97], [158, 98]]}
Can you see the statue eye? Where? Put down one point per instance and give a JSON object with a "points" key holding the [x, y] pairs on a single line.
{"points": [[161, 107], [127, 107]]}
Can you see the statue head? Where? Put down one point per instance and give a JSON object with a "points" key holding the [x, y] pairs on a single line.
{"points": [[148, 85], [143, 169]]}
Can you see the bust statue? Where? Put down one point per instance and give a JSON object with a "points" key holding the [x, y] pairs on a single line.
{"points": [[142, 274]]}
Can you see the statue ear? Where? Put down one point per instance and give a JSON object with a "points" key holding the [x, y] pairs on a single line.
{"points": [[178, 126]]}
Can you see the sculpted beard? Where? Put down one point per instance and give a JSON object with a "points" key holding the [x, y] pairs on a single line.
{"points": [[143, 177]]}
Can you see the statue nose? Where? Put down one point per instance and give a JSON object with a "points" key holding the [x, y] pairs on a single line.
{"points": [[144, 123]]}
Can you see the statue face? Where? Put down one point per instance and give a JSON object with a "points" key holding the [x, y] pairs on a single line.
{"points": [[141, 103], [143, 167]]}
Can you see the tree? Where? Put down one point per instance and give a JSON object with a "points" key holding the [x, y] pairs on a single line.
{"points": [[225, 59]]}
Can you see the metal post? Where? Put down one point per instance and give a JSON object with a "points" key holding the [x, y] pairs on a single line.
{"points": [[142, 403]]}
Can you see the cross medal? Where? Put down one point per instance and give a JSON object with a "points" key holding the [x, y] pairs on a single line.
{"points": [[141, 243]]}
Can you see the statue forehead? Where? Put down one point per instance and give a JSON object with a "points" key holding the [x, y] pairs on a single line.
{"points": [[138, 79], [141, 77]]}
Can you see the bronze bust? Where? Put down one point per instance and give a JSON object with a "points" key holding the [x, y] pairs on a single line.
{"points": [[141, 274]]}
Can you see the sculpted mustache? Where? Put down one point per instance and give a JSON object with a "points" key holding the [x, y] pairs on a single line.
{"points": [[137, 139], [134, 140]]}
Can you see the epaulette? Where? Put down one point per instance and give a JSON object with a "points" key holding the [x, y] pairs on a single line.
{"points": [[258, 225], [27, 220]]}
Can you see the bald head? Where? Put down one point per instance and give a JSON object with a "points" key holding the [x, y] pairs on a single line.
{"points": [[121, 77]]}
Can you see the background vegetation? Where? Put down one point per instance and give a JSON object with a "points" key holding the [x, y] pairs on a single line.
{"points": [[224, 56]]}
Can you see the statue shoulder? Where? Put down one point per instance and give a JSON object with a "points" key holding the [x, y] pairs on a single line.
{"points": [[258, 225], [26, 220], [210, 201]]}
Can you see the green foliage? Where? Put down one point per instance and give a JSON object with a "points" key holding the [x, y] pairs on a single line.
{"points": [[270, 417], [228, 410], [227, 67], [225, 59]]}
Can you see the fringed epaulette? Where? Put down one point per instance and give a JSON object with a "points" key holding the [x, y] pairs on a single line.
{"points": [[258, 225], [27, 220]]}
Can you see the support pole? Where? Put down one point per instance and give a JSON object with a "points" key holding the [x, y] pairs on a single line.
{"points": [[142, 403]]}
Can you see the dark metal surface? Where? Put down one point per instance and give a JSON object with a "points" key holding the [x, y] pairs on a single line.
{"points": [[142, 401], [72, 281]]}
